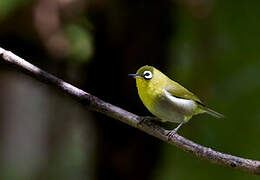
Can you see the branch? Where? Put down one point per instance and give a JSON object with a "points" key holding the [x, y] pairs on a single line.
{"points": [[96, 104]]}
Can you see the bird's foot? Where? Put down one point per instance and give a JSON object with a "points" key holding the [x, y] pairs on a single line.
{"points": [[171, 134], [174, 131], [146, 119]]}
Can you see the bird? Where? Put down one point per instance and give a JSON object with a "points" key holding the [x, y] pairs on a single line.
{"points": [[168, 100]]}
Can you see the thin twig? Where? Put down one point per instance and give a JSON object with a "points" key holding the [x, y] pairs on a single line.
{"points": [[96, 104]]}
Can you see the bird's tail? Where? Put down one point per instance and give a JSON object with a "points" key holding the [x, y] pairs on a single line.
{"points": [[213, 113]]}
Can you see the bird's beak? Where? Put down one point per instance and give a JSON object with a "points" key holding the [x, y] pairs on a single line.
{"points": [[135, 75]]}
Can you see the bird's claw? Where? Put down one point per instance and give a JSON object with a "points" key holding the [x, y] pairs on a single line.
{"points": [[171, 134], [174, 131]]}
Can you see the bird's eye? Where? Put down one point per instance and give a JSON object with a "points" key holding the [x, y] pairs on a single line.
{"points": [[147, 75]]}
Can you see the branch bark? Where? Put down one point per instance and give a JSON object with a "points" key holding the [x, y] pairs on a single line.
{"points": [[96, 104]]}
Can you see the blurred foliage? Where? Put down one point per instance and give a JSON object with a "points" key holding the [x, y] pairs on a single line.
{"points": [[8, 7], [211, 47], [81, 42]]}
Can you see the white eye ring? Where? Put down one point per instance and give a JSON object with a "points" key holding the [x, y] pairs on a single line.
{"points": [[148, 75]]}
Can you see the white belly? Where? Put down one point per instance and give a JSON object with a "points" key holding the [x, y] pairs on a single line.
{"points": [[173, 109]]}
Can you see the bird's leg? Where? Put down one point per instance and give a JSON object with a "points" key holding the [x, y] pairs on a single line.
{"points": [[174, 131], [147, 118]]}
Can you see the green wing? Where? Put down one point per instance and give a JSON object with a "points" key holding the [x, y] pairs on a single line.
{"points": [[179, 91]]}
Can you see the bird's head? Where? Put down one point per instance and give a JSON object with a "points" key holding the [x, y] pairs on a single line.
{"points": [[148, 76]]}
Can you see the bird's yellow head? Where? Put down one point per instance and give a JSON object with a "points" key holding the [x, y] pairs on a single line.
{"points": [[148, 77]]}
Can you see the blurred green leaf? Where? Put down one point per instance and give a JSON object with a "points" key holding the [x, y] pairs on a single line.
{"points": [[9, 6], [81, 42]]}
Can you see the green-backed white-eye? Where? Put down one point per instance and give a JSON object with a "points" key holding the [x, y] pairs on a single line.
{"points": [[166, 99]]}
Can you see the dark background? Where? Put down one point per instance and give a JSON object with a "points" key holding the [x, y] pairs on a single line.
{"points": [[211, 47]]}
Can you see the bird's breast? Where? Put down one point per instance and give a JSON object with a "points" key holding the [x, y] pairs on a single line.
{"points": [[165, 106], [173, 109]]}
